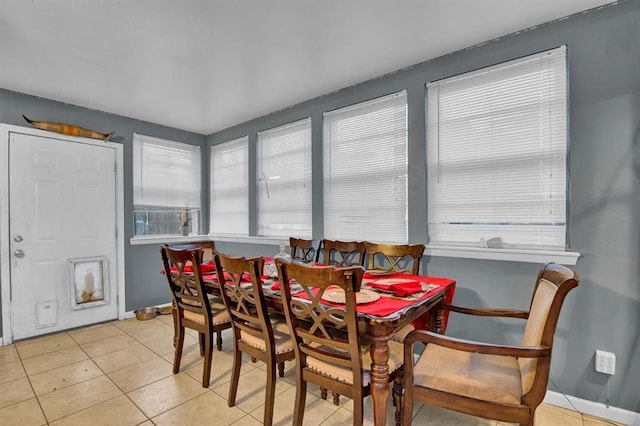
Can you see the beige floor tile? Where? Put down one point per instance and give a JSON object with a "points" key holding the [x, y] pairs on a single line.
{"points": [[251, 389], [164, 345], [207, 408], [119, 411], [344, 417], [429, 415], [123, 358], [107, 345], [43, 345], [8, 354], [25, 413], [95, 332], [142, 374], [49, 361], [132, 324], [62, 377], [167, 319], [220, 368], [146, 423], [166, 394], [151, 333], [15, 391], [11, 371], [248, 420], [75, 398], [316, 410]]}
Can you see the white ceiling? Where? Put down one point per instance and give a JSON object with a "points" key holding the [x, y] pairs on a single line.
{"points": [[204, 65]]}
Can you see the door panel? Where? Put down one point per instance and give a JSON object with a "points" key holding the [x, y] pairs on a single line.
{"points": [[62, 208]]}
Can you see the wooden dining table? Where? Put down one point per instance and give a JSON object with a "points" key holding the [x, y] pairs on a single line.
{"points": [[382, 319]]}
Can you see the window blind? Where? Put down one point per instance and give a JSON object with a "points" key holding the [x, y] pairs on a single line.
{"points": [[165, 173], [229, 187], [497, 155], [284, 176], [365, 171]]}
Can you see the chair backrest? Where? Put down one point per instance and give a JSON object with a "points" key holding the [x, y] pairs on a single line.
{"points": [[209, 248], [241, 290], [397, 257], [306, 251], [322, 331], [343, 253], [182, 269], [552, 285]]}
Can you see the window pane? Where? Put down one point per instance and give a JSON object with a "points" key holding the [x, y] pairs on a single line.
{"points": [[284, 176], [229, 187], [365, 171], [497, 154]]}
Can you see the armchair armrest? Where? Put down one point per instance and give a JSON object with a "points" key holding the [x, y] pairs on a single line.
{"points": [[487, 312], [428, 337]]}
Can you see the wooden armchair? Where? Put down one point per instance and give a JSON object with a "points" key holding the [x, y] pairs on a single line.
{"points": [[505, 383], [328, 348], [395, 257], [343, 253], [254, 332], [193, 309], [305, 251], [208, 247]]}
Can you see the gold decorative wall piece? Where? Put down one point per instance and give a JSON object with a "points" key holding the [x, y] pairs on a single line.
{"points": [[69, 129]]}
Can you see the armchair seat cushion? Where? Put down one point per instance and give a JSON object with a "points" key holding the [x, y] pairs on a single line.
{"points": [[480, 376], [346, 374], [218, 311], [281, 337]]}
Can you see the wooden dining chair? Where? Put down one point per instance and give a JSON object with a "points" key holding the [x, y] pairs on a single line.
{"points": [[209, 249], [194, 309], [394, 257], [343, 253], [329, 350], [498, 382], [306, 251], [254, 331]]}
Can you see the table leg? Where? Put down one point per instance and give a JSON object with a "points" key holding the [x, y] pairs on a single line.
{"points": [[379, 380]]}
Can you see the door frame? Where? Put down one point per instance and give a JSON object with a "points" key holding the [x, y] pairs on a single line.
{"points": [[5, 255]]}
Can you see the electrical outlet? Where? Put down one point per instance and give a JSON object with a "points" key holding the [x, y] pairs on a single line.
{"points": [[605, 362]]}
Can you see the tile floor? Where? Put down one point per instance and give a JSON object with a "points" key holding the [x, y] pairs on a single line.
{"points": [[120, 373]]}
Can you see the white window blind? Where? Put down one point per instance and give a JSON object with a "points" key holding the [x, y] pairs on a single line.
{"points": [[497, 155], [229, 187], [365, 171], [165, 173], [284, 176]]}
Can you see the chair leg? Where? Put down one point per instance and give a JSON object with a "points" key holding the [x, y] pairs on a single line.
{"points": [[208, 358], [270, 393], [407, 406], [174, 314], [358, 409], [281, 369], [179, 341], [336, 398], [397, 397], [201, 340], [301, 396], [235, 377], [323, 393], [219, 340]]}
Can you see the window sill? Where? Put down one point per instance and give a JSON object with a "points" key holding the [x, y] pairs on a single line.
{"points": [[510, 255], [161, 239]]}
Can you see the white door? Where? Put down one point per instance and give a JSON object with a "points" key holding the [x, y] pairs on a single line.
{"points": [[62, 220]]}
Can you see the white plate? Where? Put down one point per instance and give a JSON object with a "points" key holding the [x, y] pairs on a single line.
{"points": [[337, 296], [392, 281]]}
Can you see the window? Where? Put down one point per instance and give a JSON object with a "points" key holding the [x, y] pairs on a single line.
{"points": [[497, 155], [365, 171], [284, 176], [166, 186], [229, 187]]}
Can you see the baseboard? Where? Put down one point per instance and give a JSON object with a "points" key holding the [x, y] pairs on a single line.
{"points": [[592, 408]]}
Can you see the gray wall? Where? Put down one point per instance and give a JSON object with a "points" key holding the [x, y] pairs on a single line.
{"points": [[604, 312], [144, 284]]}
